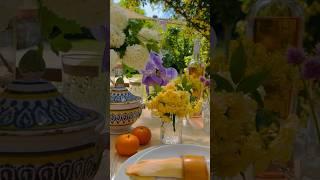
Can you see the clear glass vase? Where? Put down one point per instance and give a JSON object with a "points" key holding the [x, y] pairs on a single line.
{"points": [[171, 132], [307, 153], [84, 83]]}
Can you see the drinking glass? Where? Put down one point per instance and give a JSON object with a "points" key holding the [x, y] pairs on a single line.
{"points": [[84, 82], [7, 57]]}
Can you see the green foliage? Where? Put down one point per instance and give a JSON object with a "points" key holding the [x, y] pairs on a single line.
{"points": [[54, 29], [227, 11], [195, 12], [128, 71], [133, 5], [246, 84], [156, 89], [265, 118], [222, 84], [238, 64], [252, 82], [176, 47]]}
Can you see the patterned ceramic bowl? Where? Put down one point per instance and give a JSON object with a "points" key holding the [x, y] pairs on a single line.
{"points": [[47, 137], [125, 109]]}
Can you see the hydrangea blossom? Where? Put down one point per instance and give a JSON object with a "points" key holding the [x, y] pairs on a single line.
{"points": [[136, 56], [146, 34], [114, 59], [89, 13], [117, 37], [118, 18]]}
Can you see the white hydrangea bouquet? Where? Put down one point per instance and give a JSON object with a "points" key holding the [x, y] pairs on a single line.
{"points": [[130, 42], [55, 14]]}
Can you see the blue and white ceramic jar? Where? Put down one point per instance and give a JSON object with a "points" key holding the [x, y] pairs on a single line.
{"points": [[125, 109], [46, 137]]}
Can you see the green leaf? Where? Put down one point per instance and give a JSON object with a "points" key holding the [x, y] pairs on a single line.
{"points": [[157, 88], [257, 97], [265, 118], [184, 82], [238, 64], [51, 20], [128, 71], [252, 82], [153, 46], [60, 44], [222, 83]]}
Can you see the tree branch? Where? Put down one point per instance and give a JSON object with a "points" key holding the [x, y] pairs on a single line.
{"points": [[188, 18]]}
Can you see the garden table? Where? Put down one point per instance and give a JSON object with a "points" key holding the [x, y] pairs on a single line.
{"points": [[190, 135]]}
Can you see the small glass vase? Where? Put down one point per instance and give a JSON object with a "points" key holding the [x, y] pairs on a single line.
{"points": [[171, 132], [307, 153]]}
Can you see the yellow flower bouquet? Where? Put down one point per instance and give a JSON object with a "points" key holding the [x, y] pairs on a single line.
{"points": [[175, 101], [250, 131], [176, 98]]}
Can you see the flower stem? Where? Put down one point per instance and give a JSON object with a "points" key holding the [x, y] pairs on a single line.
{"points": [[313, 112], [174, 122]]}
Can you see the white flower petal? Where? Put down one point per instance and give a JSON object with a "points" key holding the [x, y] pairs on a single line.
{"points": [[118, 18], [136, 56], [117, 37], [114, 59]]}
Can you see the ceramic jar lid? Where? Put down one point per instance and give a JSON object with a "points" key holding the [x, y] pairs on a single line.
{"points": [[121, 98], [36, 106]]}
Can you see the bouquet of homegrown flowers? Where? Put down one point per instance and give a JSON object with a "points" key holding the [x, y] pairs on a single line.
{"points": [[130, 42], [246, 129], [175, 99]]}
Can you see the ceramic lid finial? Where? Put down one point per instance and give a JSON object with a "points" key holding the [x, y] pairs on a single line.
{"points": [[32, 65]]}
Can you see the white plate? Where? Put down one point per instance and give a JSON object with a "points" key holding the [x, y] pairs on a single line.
{"points": [[121, 173], [165, 151]]}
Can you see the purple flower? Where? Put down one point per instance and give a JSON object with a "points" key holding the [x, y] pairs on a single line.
{"points": [[311, 68], [295, 56], [207, 82], [202, 79], [155, 73], [318, 49]]}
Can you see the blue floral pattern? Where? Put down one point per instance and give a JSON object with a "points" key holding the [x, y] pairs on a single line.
{"points": [[40, 110]]}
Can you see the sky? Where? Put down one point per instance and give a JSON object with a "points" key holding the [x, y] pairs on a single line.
{"points": [[150, 11]]}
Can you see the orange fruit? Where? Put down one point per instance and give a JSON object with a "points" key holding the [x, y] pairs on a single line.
{"points": [[143, 133], [127, 144]]}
